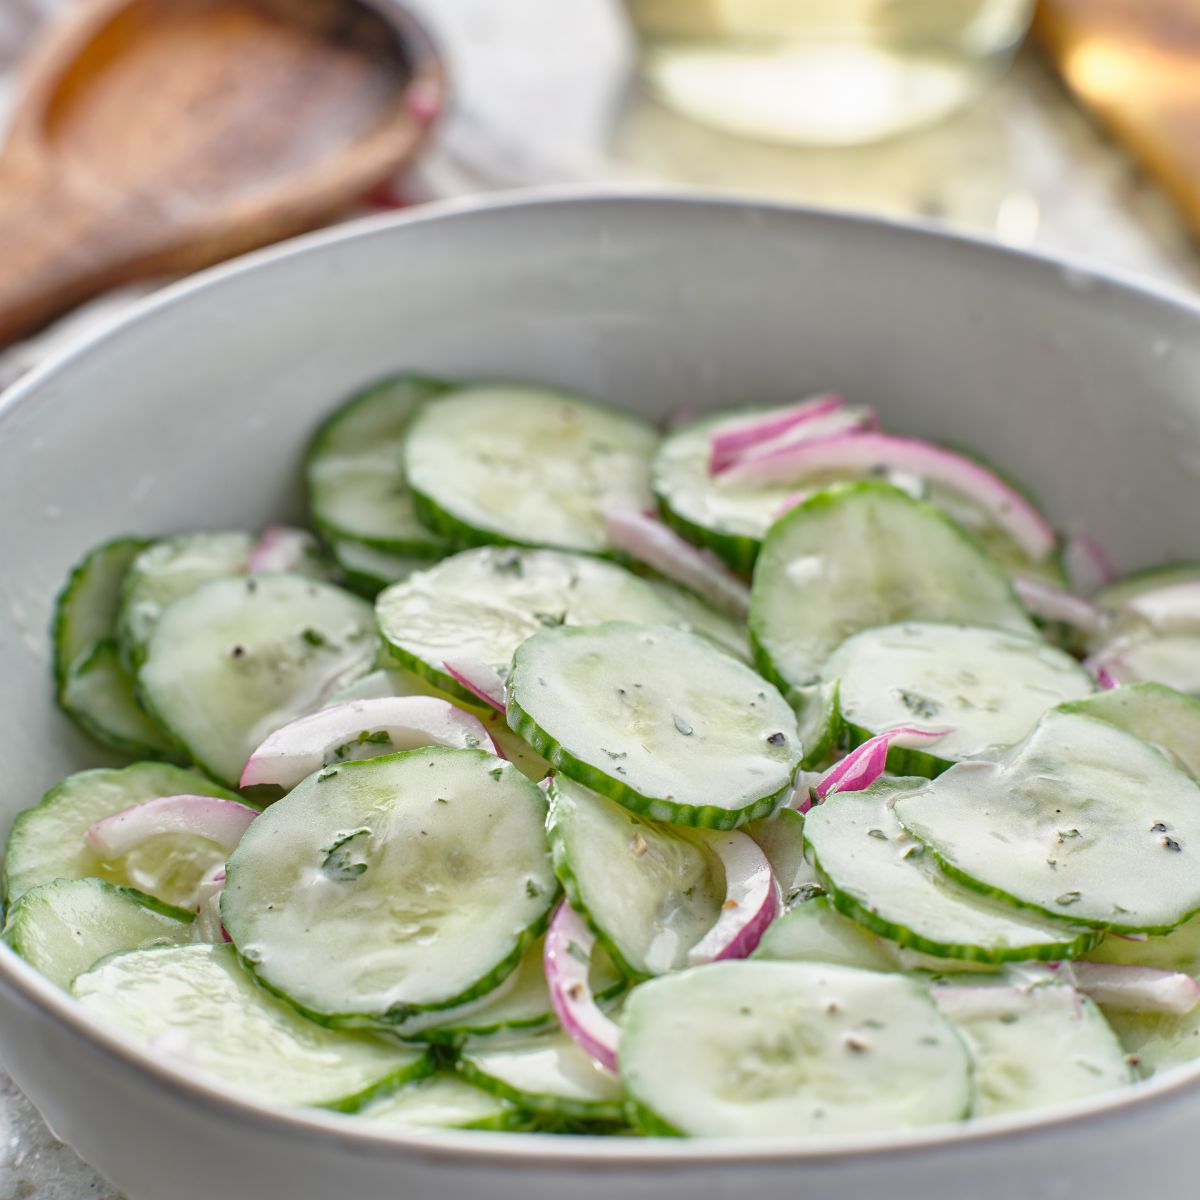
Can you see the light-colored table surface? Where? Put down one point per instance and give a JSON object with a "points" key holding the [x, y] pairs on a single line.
{"points": [[545, 94]]}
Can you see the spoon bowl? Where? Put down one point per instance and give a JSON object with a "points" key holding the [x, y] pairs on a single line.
{"points": [[154, 137]]}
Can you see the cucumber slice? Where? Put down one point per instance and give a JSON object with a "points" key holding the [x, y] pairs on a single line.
{"points": [[167, 571], [997, 542], [1034, 1047], [442, 1101], [1081, 821], [1119, 593], [85, 611], [729, 517], [98, 694], [63, 928], [861, 555], [781, 839], [656, 718], [1167, 719], [814, 931], [396, 681], [697, 616], [449, 843], [789, 1050], [356, 486], [482, 604], [238, 657], [547, 1074], [876, 874], [93, 687], [1178, 950], [649, 891], [368, 571], [512, 464], [1158, 1042], [198, 1003], [988, 687], [1170, 659], [521, 1004], [48, 842]]}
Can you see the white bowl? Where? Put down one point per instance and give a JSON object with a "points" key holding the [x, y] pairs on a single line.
{"points": [[194, 412]]}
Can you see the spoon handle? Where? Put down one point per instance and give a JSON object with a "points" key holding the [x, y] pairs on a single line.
{"points": [[56, 250]]}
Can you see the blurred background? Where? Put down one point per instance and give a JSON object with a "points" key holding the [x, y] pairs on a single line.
{"points": [[1079, 139]]}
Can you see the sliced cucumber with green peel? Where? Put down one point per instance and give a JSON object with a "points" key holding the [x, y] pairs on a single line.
{"points": [[1119, 593], [442, 1101], [448, 844], [520, 1004], [65, 927], [99, 694], [547, 1074], [197, 1004], [168, 570], [656, 718], [781, 839], [1172, 659], [511, 464], [93, 687], [239, 657], [860, 555], [48, 842], [729, 516], [1158, 1042], [697, 616], [1033, 1047], [814, 931], [986, 687], [790, 1050], [85, 612], [1081, 821], [1178, 950], [482, 604], [886, 881], [1167, 719], [368, 571], [649, 891], [356, 487]]}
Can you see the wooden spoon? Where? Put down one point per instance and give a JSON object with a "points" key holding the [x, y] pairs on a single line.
{"points": [[157, 136]]}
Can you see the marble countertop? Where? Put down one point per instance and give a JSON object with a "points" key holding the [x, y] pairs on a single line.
{"points": [[546, 93]]}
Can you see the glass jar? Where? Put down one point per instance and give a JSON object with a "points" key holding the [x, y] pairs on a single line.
{"points": [[824, 72]]}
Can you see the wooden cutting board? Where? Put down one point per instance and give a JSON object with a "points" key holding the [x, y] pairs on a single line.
{"points": [[1135, 64]]}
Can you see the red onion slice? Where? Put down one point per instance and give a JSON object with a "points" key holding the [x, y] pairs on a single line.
{"points": [[867, 762], [732, 442], [207, 903], [479, 679], [1053, 604], [1129, 988], [282, 548], [865, 452], [567, 960], [751, 901], [220, 821], [1087, 565], [303, 746], [651, 542]]}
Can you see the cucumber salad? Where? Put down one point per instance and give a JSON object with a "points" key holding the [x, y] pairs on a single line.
{"points": [[771, 776]]}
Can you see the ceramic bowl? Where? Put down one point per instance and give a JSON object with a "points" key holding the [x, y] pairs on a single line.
{"points": [[194, 412]]}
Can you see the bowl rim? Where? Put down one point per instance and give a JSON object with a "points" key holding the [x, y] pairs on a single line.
{"points": [[547, 1151]]}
